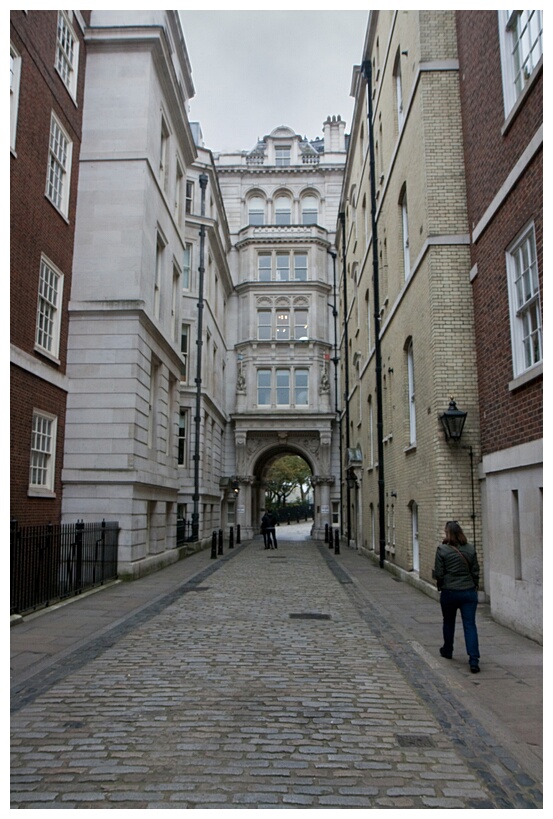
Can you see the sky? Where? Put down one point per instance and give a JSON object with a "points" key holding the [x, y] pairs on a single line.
{"points": [[256, 70]]}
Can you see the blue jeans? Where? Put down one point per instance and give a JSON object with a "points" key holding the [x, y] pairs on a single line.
{"points": [[466, 601]]}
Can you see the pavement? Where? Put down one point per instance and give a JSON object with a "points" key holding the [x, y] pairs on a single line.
{"points": [[286, 678]]}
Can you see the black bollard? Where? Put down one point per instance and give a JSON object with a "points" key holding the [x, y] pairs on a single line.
{"points": [[231, 538], [337, 542], [220, 550], [330, 538], [326, 532], [214, 546], [238, 534]]}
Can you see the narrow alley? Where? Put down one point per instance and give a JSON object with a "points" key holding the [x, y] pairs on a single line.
{"points": [[291, 678]]}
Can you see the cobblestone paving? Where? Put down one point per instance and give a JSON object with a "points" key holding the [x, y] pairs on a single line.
{"points": [[267, 688]]}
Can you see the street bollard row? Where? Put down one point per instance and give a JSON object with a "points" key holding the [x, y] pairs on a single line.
{"points": [[217, 541]]}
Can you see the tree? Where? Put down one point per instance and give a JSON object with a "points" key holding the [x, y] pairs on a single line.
{"points": [[284, 476]]}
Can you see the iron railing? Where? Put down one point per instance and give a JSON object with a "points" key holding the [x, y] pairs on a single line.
{"points": [[50, 563], [184, 531]]}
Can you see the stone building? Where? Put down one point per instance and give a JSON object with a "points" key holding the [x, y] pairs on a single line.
{"points": [[47, 73], [203, 413], [502, 110], [407, 347], [124, 349], [281, 200]]}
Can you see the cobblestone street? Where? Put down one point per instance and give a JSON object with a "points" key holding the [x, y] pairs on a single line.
{"points": [[263, 681]]}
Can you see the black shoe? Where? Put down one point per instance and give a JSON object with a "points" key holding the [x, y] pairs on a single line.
{"points": [[474, 669], [447, 654]]}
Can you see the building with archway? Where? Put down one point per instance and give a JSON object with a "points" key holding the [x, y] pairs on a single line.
{"points": [[281, 199]]}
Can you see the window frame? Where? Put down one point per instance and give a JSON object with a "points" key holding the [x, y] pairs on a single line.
{"points": [[283, 216], [58, 172], [15, 84], [531, 305], [67, 65], [282, 387], [292, 267], [283, 156], [509, 40], [187, 266], [182, 440], [185, 350], [256, 216], [49, 312], [412, 415], [45, 461]]}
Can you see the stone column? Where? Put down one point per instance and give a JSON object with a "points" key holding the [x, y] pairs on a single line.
{"points": [[321, 503]]}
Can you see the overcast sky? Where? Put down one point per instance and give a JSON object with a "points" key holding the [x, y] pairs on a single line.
{"points": [[255, 70]]}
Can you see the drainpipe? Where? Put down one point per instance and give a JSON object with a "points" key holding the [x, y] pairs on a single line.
{"points": [[335, 361], [199, 343], [342, 217], [367, 70]]}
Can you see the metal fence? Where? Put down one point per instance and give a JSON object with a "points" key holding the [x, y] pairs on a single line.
{"points": [[50, 563], [184, 531]]}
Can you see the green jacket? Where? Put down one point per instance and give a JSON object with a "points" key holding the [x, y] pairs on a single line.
{"points": [[456, 571]]}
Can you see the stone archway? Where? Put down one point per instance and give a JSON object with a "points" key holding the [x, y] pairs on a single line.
{"points": [[256, 450]]}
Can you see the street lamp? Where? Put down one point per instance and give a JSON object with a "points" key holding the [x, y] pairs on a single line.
{"points": [[453, 421]]}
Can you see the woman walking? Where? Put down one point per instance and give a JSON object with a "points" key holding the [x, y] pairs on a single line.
{"points": [[457, 573]]}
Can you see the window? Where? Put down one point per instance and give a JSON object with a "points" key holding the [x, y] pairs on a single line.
{"points": [[15, 76], [184, 349], [158, 275], [300, 267], [43, 447], [282, 387], [264, 324], [398, 90], [283, 210], [300, 325], [283, 325], [67, 52], [50, 290], [189, 197], [309, 210], [264, 267], [59, 165], [283, 267], [256, 211], [405, 234], [163, 154], [282, 155], [520, 37], [524, 298], [186, 266], [411, 394], [183, 427], [179, 185], [301, 387], [263, 388], [283, 272], [175, 298]]}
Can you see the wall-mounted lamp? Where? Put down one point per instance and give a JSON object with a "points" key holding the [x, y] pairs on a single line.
{"points": [[235, 486], [453, 421]]}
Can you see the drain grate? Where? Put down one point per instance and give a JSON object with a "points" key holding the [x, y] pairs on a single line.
{"points": [[414, 741], [309, 615]]}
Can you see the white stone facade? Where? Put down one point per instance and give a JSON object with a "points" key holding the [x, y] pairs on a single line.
{"points": [[281, 200], [124, 362]]}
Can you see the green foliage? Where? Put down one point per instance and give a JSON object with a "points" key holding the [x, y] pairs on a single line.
{"points": [[284, 476]]}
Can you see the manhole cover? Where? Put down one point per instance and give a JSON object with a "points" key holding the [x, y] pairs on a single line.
{"points": [[414, 741], [309, 615]]}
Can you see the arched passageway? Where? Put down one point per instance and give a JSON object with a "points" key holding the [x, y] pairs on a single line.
{"points": [[255, 456]]}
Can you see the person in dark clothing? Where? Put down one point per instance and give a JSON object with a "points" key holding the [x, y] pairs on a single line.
{"points": [[457, 574], [268, 524]]}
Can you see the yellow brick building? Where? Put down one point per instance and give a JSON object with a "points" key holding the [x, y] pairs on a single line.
{"points": [[402, 480]]}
